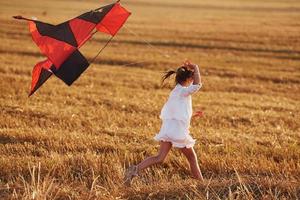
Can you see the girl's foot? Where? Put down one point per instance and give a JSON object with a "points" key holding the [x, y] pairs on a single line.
{"points": [[131, 172]]}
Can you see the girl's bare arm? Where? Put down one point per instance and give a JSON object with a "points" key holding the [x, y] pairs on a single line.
{"points": [[195, 68], [197, 76]]}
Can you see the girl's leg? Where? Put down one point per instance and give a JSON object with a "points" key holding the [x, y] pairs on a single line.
{"points": [[192, 158], [159, 158]]}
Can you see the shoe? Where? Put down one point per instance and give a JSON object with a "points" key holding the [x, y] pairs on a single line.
{"points": [[130, 173]]}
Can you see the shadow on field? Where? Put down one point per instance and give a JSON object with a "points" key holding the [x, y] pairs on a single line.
{"points": [[243, 188], [291, 54], [4, 139], [217, 8], [209, 47]]}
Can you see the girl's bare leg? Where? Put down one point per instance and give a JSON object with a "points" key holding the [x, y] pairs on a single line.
{"points": [[192, 158], [159, 158]]}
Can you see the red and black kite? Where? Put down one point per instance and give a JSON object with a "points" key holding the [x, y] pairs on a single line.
{"points": [[60, 43]]}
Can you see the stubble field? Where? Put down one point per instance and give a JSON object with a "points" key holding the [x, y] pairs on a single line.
{"points": [[75, 142]]}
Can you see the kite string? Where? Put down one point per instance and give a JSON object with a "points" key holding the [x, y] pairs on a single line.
{"points": [[137, 35], [146, 42], [93, 59]]}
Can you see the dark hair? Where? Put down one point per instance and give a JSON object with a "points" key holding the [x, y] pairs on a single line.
{"points": [[182, 74]]}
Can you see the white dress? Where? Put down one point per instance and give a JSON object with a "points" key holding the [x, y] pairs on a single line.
{"points": [[176, 116]]}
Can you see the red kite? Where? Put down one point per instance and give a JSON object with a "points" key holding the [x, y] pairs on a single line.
{"points": [[60, 43]]}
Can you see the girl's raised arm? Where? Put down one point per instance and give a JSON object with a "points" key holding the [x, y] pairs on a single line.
{"points": [[196, 80], [197, 77], [195, 68]]}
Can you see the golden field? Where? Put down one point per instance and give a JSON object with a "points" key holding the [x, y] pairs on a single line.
{"points": [[75, 142]]}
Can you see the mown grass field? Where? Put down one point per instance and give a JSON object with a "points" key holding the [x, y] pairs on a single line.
{"points": [[75, 142]]}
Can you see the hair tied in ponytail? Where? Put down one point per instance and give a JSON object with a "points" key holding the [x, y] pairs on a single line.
{"points": [[167, 74]]}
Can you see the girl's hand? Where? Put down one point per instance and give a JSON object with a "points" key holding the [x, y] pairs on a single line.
{"points": [[195, 69], [189, 65], [198, 113]]}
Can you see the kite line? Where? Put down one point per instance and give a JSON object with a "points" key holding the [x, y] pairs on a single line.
{"points": [[146, 42], [149, 45], [93, 59]]}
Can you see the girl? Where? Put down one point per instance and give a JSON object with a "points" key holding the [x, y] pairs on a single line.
{"points": [[176, 116]]}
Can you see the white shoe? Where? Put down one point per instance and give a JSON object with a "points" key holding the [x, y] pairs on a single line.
{"points": [[130, 173]]}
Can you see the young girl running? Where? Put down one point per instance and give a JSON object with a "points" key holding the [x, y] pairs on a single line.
{"points": [[176, 116]]}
